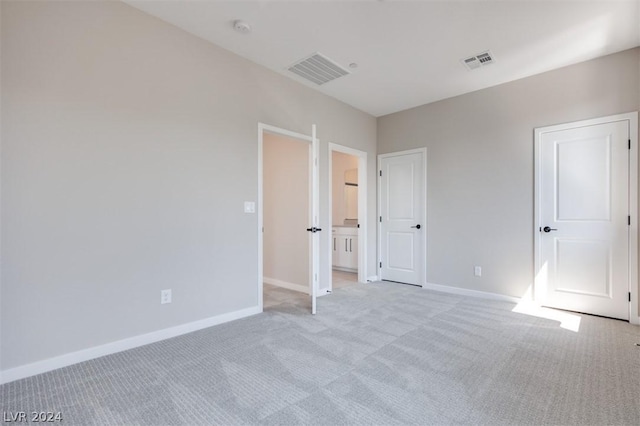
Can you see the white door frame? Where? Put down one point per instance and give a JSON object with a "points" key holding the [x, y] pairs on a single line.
{"points": [[362, 211], [423, 270], [632, 119], [262, 128]]}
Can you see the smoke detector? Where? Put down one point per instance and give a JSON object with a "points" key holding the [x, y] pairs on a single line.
{"points": [[318, 69], [479, 60], [241, 26]]}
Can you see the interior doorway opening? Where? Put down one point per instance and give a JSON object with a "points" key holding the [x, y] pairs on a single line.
{"points": [[287, 252], [347, 213]]}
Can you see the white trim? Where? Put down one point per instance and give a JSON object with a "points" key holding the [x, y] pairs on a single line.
{"points": [[537, 173], [632, 119], [284, 132], [634, 315], [65, 360], [285, 284], [266, 128], [362, 210], [260, 248], [323, 292], [372, 279], [471, 293], [423, 279]]}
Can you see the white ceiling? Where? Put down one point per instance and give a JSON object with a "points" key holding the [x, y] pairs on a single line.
{"points": [[408, 52]]}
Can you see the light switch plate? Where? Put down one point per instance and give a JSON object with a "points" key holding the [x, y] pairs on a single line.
{"points": [[249, 207]]}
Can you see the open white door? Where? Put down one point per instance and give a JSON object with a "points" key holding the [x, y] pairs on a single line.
{"points": [[314, 248]]}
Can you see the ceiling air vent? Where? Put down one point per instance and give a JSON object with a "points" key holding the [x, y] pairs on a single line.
{"points": [[318, 69], [479, 60]]}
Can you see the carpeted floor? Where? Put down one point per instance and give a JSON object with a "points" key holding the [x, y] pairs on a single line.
{"points": [[378, 353], [274, 295]]}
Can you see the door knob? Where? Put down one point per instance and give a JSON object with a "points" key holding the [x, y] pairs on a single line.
{"points": [[548, 229], [417, 226]]}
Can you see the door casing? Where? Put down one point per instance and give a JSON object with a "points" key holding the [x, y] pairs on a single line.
{"points": [[632, 119]]}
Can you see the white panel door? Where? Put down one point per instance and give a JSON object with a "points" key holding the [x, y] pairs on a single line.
{"points": [[584, 208], [402, 195]]}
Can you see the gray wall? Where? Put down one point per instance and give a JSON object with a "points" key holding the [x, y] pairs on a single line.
{"points": [[480, 164], [286, 209], [128, 149]]}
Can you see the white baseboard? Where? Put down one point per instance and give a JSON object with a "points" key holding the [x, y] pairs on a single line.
{"points": [[284, 284], [65, 360], [372, 279], [634, 315], [472, 293]]}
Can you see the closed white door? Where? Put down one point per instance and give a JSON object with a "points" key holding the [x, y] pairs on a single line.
{"points": [[583, 237], [402, 227]]}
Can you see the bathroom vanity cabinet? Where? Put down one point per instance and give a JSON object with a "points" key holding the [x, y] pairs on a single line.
{"points": [[345, 248]]}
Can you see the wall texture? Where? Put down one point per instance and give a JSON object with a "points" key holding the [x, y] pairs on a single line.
{"points": [[480, 164], [286, 209], [128, 149]]}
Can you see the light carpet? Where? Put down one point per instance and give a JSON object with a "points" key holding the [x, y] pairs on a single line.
{"points": [[375, 354]]}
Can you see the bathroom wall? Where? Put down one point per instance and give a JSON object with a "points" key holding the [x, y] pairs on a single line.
{"points": [[340, 163]]}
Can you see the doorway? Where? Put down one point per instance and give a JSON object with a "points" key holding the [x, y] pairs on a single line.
{"points": [[402, 216], [586, 216], [348, 216], [287, 213]]}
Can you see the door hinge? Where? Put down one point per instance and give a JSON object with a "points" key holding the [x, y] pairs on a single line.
{"points": [[380, 173], [629, 220], [629, 143], [381, 264], [380, 219], [629, 296]]}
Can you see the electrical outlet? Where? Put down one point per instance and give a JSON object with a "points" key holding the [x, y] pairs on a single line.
{"points": [[477, 271], [165, 296]]}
